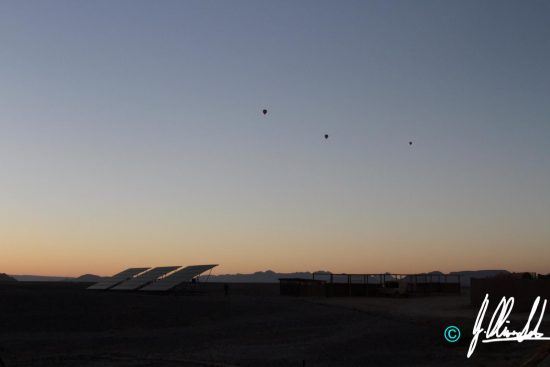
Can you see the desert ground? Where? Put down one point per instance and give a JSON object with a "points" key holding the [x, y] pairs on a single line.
{"points": [[63, 324]]}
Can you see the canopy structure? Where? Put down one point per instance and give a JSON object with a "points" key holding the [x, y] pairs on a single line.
{"points": [[177, 278], [145, 278], [118, 278]]}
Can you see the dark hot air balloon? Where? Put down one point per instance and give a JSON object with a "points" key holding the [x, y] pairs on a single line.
{"points": [[326, 136], [264, 111], [410, 143]]}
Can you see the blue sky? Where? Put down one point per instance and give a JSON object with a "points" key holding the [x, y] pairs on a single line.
{"points": [[132, 135]]}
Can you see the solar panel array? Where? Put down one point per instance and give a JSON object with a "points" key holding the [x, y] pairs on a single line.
{"points": [[118, 278], [181, 276], [145, 278]]}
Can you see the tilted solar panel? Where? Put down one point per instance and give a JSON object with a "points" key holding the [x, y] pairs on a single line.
{"points": [[118, 278], [181, 276], [145, 278]]}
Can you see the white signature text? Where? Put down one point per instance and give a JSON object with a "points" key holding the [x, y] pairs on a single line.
{"points": [[497, 329]]}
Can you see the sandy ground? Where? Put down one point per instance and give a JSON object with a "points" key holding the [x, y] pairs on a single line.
{"points": [[65, 325]]}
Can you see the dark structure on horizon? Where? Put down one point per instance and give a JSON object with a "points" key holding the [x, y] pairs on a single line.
{"points": [[5, 278], [524, 287], [367, 285], [159, 279]]}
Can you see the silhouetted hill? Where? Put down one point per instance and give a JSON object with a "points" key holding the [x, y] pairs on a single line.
{"points": [[87, 278], [39, 278], [270, 276], [5, 278]]}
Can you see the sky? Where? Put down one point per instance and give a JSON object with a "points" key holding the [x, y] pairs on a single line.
{"points": [[131, 134]]}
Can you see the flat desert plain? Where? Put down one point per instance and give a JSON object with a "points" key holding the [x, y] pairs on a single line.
{"points": [[63, 324]]}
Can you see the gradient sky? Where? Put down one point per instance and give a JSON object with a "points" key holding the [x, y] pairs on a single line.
{"points": [[131, 134]]}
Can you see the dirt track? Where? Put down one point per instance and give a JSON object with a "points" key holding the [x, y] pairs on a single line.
{"points": [[65, 325]]}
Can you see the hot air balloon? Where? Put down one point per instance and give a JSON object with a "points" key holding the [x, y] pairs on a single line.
{"points": [[326, 136], [410, 143], [264, 111]]}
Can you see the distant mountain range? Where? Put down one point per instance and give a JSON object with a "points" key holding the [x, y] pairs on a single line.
{"points": [[268, 276], [89, 278], [39, 278]]}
